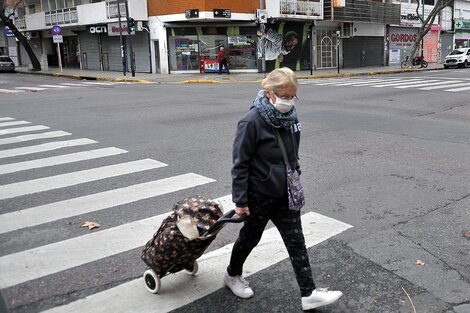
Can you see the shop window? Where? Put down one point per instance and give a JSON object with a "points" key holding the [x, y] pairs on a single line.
{"points": [[186, 53], [242, 51]]}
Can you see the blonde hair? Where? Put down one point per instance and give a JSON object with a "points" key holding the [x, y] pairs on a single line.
{"points": [[278, 78]]}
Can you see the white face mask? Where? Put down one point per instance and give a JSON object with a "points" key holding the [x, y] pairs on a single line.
{"points": [[283, 105]]}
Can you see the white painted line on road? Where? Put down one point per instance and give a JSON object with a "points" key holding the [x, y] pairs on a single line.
{"points": [[22, 129], [180, 289], [48, 146], [30, 88], [100, 201], [7, 124], [74, 84], [60, 159], [23, 138], [23, 266], [370, 82], [388, 84], [445, 86], [458, 89], [75, 178], [10, 91], [3, 119], [428, 84], [54, 86]]}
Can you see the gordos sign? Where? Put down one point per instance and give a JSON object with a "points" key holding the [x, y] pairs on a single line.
{"points": [[97, 29]]}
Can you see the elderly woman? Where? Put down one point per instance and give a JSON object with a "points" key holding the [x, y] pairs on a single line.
{"points": [[259, 188]]}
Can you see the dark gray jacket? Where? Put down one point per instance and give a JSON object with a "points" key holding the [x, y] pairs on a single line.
{"points": [[258, 165]]}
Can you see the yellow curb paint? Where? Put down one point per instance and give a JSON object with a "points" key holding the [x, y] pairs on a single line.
{"points": [[194, 81]]}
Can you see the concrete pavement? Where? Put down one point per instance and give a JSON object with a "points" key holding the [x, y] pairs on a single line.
{"points": [[214, 78]]}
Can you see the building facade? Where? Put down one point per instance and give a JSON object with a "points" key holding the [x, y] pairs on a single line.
{"points": [[90, 32]]}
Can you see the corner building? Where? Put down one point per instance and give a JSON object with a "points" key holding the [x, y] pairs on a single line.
{"points": [[184, 33]]}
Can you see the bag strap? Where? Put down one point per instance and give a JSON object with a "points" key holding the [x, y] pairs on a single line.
{"points": [[281, 144]]}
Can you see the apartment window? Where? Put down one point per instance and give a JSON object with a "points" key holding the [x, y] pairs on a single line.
{"points": [[31, 9]]}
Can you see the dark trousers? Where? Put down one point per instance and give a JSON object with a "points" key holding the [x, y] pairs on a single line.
{"points": [[289, 225], [223, 63]]}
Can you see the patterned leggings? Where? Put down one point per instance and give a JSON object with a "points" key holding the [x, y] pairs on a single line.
{"points": [[289, 225]]}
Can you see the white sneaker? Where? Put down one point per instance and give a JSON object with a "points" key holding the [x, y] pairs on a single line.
{"points": [[238, 285], [320, 297]]}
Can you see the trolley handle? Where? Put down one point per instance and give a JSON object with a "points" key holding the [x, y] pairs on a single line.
{"points": [[229, 217]]}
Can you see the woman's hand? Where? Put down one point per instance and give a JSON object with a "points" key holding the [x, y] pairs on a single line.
{"points": [[241, 211]]}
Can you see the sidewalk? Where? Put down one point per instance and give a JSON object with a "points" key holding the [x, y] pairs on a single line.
{"points": [[234, 77]]}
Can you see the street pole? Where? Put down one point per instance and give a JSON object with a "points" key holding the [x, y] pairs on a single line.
{"points": [[131, 51], [59, 57], [123, 51], [263, 47], [422, 39]]}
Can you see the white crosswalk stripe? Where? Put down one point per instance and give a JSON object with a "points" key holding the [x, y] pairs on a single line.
{"points": [[75, 178], [22, 129], [39, 262], [53, 134], [6, 124], [30, 88], [45, 147], [83, 84], [3, 119], [60, 159], [11, 91], [99, 201], [445, 84]]}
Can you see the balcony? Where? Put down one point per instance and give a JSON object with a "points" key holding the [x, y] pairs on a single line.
{"points": [[61, 17], [295, 9], [20, 23], [364, 11]]}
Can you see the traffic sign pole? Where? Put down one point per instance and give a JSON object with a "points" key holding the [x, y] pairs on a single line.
{"points": [[59, 57], [56, 32]]}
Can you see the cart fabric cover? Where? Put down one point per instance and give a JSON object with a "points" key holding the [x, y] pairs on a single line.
{"points": [[179, 242]]}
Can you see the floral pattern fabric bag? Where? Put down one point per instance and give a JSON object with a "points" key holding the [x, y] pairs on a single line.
{"points": [[295, 190]]}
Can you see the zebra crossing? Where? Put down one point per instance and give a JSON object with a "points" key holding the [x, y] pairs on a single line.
{"points": [[84, 84], [419, 83], [19, 268]]}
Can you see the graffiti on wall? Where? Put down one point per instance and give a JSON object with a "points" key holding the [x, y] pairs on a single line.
{"points": [[286, 44]]}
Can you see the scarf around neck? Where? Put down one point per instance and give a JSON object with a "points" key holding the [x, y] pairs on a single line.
{"points": [[271, 115]]}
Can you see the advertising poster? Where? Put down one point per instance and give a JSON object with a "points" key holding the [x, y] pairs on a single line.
{"points": [[286, 45]]}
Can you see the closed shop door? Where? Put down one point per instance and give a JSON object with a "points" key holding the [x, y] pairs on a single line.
{"points": [[431, 41], [140, 44], [90, 51], [112, 59], [363, 51], [447, 44]]}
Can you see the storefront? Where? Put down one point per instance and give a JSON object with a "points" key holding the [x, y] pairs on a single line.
{"points": [[462, 33], [100, 48], [187, 45]]}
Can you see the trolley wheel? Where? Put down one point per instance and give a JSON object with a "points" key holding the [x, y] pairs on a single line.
{"points": [[424, 64], [152, 281], [194, 269], [403, 64]]}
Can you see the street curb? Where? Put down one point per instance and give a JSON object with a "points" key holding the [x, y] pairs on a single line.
{"points": [[101, 78], [200, 81], [214, 81]]}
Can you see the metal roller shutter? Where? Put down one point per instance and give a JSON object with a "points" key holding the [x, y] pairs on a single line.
{"points": [[363, 51], [89, 51]]}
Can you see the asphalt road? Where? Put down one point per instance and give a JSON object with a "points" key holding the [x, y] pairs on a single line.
{"points": [[382, 154]]}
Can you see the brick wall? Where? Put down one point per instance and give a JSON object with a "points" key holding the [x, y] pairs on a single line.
{"points": [[163, 7]]}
